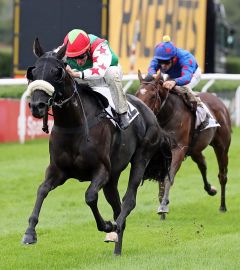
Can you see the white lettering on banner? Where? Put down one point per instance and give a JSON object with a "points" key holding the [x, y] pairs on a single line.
{"points": [[34, 126]]}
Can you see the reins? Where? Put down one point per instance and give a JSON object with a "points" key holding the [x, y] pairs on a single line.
{"points": [[60, 104]]}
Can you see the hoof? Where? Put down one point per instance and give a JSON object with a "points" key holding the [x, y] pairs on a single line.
{"points": [[212, 191], [223, 209], [162, 209], [29, 239], [162, 216], [111, 237]]}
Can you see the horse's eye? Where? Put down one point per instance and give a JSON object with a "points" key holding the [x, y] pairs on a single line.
{"points": [[59, 74]]}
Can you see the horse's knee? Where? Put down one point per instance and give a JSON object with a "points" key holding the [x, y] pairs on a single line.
{"points": [[90, 198], [43, 190], [222, 178]]}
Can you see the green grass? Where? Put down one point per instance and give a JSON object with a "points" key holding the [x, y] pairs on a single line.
{"points": [[12, 91], [194, 236]]}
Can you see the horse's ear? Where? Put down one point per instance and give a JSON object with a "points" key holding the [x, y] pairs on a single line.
{"points": [[61, 52], [140, 76], [37, 49]]}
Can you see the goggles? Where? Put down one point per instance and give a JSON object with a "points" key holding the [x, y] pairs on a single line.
{"points": [[82, 56], [164, 62]]}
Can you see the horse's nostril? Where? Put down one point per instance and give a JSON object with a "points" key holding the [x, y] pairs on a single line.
{"points": [[41, 105]]}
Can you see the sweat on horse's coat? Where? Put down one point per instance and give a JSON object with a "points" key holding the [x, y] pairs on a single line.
{"points": [[175, 117], [86, 146]]}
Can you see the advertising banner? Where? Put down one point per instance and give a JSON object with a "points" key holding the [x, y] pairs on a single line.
{"points": [[137, 26], [11, 127]]}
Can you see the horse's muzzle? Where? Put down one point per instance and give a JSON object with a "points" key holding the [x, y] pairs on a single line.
{"points": [[38, 109]]}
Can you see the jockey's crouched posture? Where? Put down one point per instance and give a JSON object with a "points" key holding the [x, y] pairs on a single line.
{"points": [[183, 71], [90, 58]]}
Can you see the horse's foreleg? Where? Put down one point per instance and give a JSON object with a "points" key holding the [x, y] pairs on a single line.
{"points": [[129, 199], [100, 178], [30, 236], [164, 188], [198, 158], [112, 196]]}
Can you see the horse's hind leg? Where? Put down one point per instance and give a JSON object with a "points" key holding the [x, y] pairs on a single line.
{"points": [[201, 163], [222, 157], [30, 236]]}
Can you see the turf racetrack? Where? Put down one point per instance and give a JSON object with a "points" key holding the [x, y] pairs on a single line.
{"points": [[194, 236]]}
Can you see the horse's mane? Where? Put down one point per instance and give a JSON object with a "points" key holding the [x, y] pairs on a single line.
{"points": [[186, 99]]}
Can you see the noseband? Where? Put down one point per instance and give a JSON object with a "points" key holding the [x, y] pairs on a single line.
{"points": [[59, 104], [52, 103]]}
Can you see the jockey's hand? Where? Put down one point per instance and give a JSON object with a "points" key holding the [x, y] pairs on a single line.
{"points": [[74, 73], [169, 84]]}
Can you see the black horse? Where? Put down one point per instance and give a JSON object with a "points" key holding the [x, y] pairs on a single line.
{"points": [[88, 147]]}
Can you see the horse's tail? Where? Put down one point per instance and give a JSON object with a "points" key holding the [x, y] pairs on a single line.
{"points": [[159, 166]]}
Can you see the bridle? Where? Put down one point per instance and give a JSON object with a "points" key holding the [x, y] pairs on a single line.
{"points": [[59, 104], [157, 99]]}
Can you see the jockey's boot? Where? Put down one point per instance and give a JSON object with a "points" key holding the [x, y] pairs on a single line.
{"points": [[123, 120], [205, 123]]}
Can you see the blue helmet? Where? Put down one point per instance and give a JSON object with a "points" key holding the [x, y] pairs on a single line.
{"points": [[165, 50]]}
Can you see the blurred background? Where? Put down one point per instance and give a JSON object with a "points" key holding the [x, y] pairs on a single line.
{"points": [[208, 28]]}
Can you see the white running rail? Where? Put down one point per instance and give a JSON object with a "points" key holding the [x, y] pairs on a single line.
{"points": [[210, 77]]}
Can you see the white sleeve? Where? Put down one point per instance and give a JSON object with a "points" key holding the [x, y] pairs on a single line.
{"points": [[102, 59]]}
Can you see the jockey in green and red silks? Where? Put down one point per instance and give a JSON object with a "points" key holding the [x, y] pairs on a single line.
{"points": [[99, 57], [90, 58]]}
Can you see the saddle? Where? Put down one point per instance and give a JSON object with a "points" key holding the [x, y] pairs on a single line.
{"points": [[104, 99]]}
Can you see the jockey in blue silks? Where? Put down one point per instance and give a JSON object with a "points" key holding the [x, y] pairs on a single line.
{"points": [[182, 70], [180, 65]]}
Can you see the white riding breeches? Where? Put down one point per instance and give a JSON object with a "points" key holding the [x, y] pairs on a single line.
{"points": [[113, 79], [195, 79]]}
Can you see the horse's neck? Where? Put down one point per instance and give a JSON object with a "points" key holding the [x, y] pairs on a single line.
{"points": [[76, 111], [171, 107]]}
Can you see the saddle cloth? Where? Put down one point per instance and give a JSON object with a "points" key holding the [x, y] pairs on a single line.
{"points": [[105, 91], [201, 115]]}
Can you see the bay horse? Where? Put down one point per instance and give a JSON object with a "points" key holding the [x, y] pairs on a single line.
{"points": [[175, 117], [87, 146]]}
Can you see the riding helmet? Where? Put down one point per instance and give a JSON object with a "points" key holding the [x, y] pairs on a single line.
{"points": [[165, 50], [78, 43]]}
